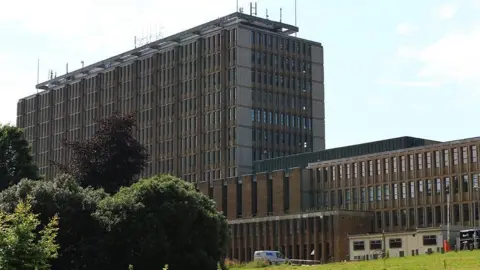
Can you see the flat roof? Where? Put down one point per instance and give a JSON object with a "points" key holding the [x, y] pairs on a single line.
{"points": [[425, 146], [318, 213], [129, 56], [304, 159]]}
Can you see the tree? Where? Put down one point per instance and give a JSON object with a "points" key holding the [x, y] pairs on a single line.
{"points": [[112, 158], [79, 232], [16, 161], [162, 220], [21, 247]]}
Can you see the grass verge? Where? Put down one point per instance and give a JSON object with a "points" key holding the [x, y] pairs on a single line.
{"points": [[463, 260]]}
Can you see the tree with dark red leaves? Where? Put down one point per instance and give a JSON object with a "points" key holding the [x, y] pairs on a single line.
{"points": [[112, 158]]}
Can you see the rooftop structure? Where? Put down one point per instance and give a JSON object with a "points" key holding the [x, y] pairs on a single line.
{"points": [[164, 43]]}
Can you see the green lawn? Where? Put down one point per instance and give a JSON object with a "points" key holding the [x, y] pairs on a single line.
{"points": [[463, 260]]}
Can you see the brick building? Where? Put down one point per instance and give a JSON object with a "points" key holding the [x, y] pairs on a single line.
{"points": [[393, 185], [210, 100]]}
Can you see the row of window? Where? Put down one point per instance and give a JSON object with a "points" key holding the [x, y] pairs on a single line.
{"points": [[280, 81], [166, 59], [280, 63], [465, 214], [277, 137], [413, 189], [284, 119], [264, 153], [417, 161], [280, 43], [210, 44], [285, 101], [401, 190], [428, 240]]}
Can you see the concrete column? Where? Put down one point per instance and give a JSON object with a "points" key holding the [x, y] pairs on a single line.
{"points": [[316, 238]]}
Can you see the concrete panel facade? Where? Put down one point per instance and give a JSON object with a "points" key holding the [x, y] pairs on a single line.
{"points": [[194, 95], [318, 98]]}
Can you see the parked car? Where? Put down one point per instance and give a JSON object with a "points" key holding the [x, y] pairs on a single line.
{"points": [[271, 256]]}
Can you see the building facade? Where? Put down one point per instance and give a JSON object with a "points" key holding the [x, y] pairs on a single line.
{"points": [[405, 185], [209, 100], [401, 244]]}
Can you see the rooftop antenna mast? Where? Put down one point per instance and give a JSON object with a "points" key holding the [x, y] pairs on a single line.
{"points": [[150, 34], [158, 34], [280, 14], [295, 16], [38, 72], [253, 9]]}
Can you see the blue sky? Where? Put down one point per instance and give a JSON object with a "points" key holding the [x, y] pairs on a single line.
{"points": [[392, 68]]}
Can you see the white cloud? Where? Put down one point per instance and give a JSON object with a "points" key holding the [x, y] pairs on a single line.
{"points": [[446, 11], [406, 52], [406, 28], [454, 57]]}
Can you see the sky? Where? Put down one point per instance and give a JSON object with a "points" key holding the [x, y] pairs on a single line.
{"points": [[392, 68]]}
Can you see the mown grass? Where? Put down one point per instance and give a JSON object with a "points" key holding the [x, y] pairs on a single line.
{"points": [[463, 260]]}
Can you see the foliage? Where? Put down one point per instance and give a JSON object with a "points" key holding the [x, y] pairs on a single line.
{"points": [[21, 247], [78, 231], [16, 161], [112, 158], [146, 224], [168, 222]]}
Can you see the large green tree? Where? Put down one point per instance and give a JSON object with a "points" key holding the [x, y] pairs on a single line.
{"points": [[79, 232], [22, 246], [112, 158], [16, 160], [162, 220]]}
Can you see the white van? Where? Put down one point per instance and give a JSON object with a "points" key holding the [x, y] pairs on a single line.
{"points": [[272, 257]]}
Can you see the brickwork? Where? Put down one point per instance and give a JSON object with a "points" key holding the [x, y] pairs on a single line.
{"points": [[346, 225], [203, 188], [295, 190], [278, 192], [247, 196], [297, 236], [217, 194], [232, 198], [262, 194], [368, 195]]}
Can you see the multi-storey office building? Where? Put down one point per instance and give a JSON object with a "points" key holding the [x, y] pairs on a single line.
{"points": [[210, 100], [350, 190]]}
